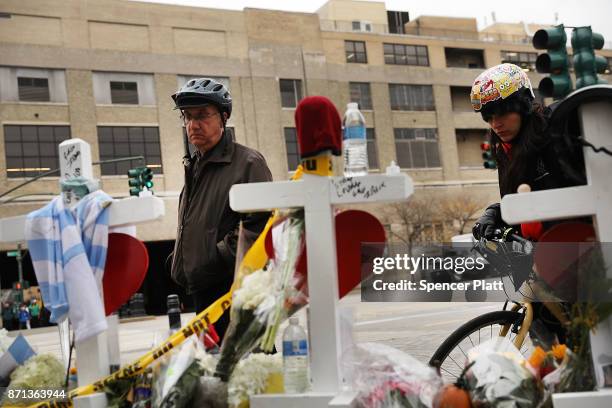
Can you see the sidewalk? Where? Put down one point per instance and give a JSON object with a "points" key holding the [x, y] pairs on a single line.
{"points": [[136, 336]]}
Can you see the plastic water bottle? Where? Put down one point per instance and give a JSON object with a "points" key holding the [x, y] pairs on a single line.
{"points": [[295, 358], [355, 144], [174, 312]]}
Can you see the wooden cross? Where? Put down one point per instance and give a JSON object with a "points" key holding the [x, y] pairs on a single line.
{"points": [[593, 199]]}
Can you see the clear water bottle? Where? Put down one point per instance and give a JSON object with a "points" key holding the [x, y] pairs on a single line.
{"points": [[174, 312], [295, 358], [355, 144]]}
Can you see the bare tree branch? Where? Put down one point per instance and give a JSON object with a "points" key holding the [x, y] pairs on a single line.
{"points": [[414, 216], [461, 207]]}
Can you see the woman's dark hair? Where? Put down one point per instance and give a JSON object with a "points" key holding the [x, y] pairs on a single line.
{"points": [[530, 140]]}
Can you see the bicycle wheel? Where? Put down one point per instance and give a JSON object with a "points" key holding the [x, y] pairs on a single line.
{"points": [[452, 353]]}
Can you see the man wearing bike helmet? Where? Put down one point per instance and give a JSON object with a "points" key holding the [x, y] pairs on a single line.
{"points": [[521, 146], [205, 249]]}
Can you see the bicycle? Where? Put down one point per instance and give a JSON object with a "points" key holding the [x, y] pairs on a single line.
{"points": [[512, 256]]}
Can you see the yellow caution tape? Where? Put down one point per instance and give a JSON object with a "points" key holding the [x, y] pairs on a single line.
{"points": [[197, 325], [254, 259]]}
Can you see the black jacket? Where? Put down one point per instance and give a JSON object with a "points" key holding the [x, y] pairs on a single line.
{"points": [[207, 233], [548, 169], [552, 165], [543, 173]]}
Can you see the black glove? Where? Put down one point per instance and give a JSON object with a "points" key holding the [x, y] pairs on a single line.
{"points": [[487, 224]]}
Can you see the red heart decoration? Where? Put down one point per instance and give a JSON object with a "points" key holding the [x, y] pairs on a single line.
{"points": [[127, 261], [558, 252]]}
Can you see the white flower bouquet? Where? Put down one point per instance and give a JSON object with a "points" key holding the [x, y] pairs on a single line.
{"points": [[255, 374], [265, 297]]}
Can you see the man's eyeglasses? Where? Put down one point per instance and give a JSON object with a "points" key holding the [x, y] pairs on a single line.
{"points": [[186, 117]]}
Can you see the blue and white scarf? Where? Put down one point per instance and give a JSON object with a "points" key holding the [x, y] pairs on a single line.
{"points": [[68, 249]]}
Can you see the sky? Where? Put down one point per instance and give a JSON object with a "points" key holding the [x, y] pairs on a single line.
{"points": [[595, 13]]}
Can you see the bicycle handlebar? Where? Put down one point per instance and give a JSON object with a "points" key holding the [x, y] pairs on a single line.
{"points": [[507, 235]]}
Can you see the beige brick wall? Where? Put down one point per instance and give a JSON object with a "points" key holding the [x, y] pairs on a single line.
{"points": [[199, 42], [347, 10], [48, 30], [82, 110], [123, 37]]}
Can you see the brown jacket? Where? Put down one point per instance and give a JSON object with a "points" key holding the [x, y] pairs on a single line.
{"points": [[207, 233]]}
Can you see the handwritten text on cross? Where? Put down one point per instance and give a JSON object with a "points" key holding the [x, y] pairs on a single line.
{"points": [[73, 166], [356, 188]]}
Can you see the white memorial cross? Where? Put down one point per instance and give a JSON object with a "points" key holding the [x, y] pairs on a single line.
{"points": [[93, 354], [593, 199], [318, 195]]}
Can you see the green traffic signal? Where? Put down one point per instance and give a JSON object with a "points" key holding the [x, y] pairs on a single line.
{"points": [[555, 62], [586, 64], [138, 179], [134, 173], [147, 178], [134, 181]]}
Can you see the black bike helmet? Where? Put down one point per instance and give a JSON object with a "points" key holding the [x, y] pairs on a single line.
{"points": [[203, 91]]}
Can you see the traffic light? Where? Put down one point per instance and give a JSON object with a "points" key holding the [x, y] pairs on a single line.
{"points": [[487, 156], [18, 287], [134, 181], [586, 64], [147, 178], [555, 62], [140, 178]]}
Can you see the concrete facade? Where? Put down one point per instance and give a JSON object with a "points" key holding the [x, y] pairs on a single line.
{"points": [[254, 48]]}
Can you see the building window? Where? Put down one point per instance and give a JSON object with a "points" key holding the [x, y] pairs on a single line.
{"points": [[464, 58], [32, 85], [33, 89], [122, 88], [355, 51], [115, 142], [293, 154], [31, 150], [402, 54], [396, 21], [360, 93], [372, 150], [411, 97], [365, 26], [124, 92], [417, 148], [291, 92], [525, 60], [460, 98]]}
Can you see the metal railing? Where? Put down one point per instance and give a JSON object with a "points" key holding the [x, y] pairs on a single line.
{"points": [[348, 26], [364, 27]]}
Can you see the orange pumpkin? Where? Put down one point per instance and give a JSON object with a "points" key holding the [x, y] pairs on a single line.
{"points": [[452, 396]]}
